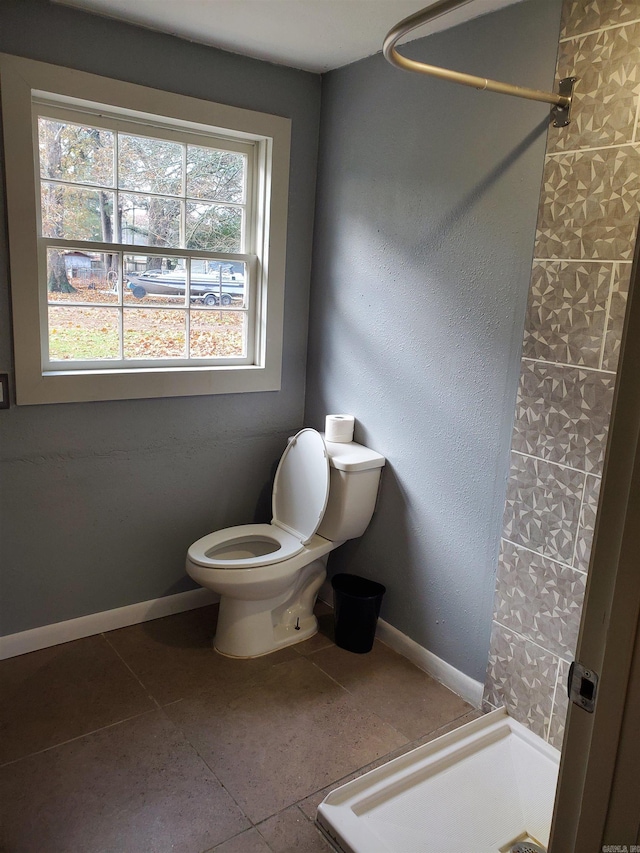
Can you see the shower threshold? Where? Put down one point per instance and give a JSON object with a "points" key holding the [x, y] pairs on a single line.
{"points": [[484, 787]]}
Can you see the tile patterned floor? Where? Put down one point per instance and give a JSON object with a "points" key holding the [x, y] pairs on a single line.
{"points": [[144, 740]]}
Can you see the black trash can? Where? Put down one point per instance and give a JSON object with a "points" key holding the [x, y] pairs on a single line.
{"points": [[356, 604]]}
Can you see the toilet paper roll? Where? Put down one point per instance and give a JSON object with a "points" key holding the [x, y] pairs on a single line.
{"points": [[339, 428]]}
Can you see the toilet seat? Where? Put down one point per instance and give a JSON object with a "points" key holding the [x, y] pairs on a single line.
{"points": [[299, 500], [245, 536]]}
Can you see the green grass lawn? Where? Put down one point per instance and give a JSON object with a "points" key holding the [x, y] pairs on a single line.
{"points": [[73, 344]]}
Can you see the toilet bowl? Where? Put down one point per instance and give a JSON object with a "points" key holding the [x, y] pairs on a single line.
{"points": [[268, 575]]}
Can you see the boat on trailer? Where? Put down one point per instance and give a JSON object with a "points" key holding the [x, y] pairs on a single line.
{"points": [[216, 288]]}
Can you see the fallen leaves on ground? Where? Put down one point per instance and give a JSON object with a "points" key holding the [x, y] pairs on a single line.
{"points": [[92, 333]]}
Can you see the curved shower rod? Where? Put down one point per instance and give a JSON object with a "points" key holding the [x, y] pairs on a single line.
{"points": [[561, 102]]}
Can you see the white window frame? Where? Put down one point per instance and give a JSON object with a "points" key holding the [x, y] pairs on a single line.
{"points": [[24, 81], [50, 108]]}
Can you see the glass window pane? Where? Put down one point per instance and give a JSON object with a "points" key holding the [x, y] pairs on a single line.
{"points": [[74, 152], [218, 283], [215, 175], [82, 333], [149, 165], [217, 333], [77, 214], [149, 220], [154, 333], [213, 227], [154, 280], [75, 275]]}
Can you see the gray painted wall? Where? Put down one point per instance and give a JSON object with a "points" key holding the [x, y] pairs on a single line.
{"points": [[425, 222], [99, 501]]}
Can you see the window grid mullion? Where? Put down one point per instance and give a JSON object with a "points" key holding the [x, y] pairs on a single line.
{"points": [[183, 243], [236, 309], [183, 206], [116, 182], [187, 296], [80, 185], [133, 248], [123, 249], [38, 174], [247, 237], [120, 307], [117, 227]]}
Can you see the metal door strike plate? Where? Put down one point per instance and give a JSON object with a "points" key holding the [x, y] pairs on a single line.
{"points": [[582, 686]]}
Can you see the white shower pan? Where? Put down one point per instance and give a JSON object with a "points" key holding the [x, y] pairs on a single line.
{"points": [[479, 789]]}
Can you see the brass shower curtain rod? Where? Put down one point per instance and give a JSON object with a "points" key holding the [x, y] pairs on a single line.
{"points": [[561, 102]]}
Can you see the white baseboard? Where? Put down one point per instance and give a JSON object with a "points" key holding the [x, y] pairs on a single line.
{"points": [[462, 684], [95, 623], [12, 645], [465, 686]]}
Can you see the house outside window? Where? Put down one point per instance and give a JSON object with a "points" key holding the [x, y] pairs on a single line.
{"points": [[147, 236]]}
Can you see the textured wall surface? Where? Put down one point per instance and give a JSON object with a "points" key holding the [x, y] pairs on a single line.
{"points": [[425, 222], [99, 501], [587, 221]]}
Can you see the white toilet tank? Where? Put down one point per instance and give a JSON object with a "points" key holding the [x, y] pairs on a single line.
{"points": [[353, 488]]}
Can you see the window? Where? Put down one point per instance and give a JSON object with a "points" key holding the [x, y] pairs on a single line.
{"points": [[147, 237], [121, 213]]}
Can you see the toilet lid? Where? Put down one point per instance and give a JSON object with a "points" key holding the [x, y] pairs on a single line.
{"points": [[301, 487]]}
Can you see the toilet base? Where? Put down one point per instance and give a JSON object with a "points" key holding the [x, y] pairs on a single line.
{"points": [[290, 640], [250, 629]]}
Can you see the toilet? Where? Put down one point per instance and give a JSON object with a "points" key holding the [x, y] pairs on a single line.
{"points": [[268, 575]]}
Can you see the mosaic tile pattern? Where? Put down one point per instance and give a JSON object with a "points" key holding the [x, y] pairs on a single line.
{"points": [[589, 205], [560, 707], [562, 414], [589, 211], [581, 16], [539, 599], [521, 676], [607, 65], [615, 319], [542, 507], [584, 539], [567, 311]]}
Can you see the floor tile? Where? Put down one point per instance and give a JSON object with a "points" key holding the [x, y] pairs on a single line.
{"points": [[247, 842], [174, 656], [56, 694], [290, 831], [136, 786], [278, 732], [393, 688], [469, 717], [289, 733]]}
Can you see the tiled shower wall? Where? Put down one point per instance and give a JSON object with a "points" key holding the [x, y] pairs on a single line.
{"points": [[588, 214]]}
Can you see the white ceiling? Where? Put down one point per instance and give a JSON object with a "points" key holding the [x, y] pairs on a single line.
{"points": [[314, 35]]}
